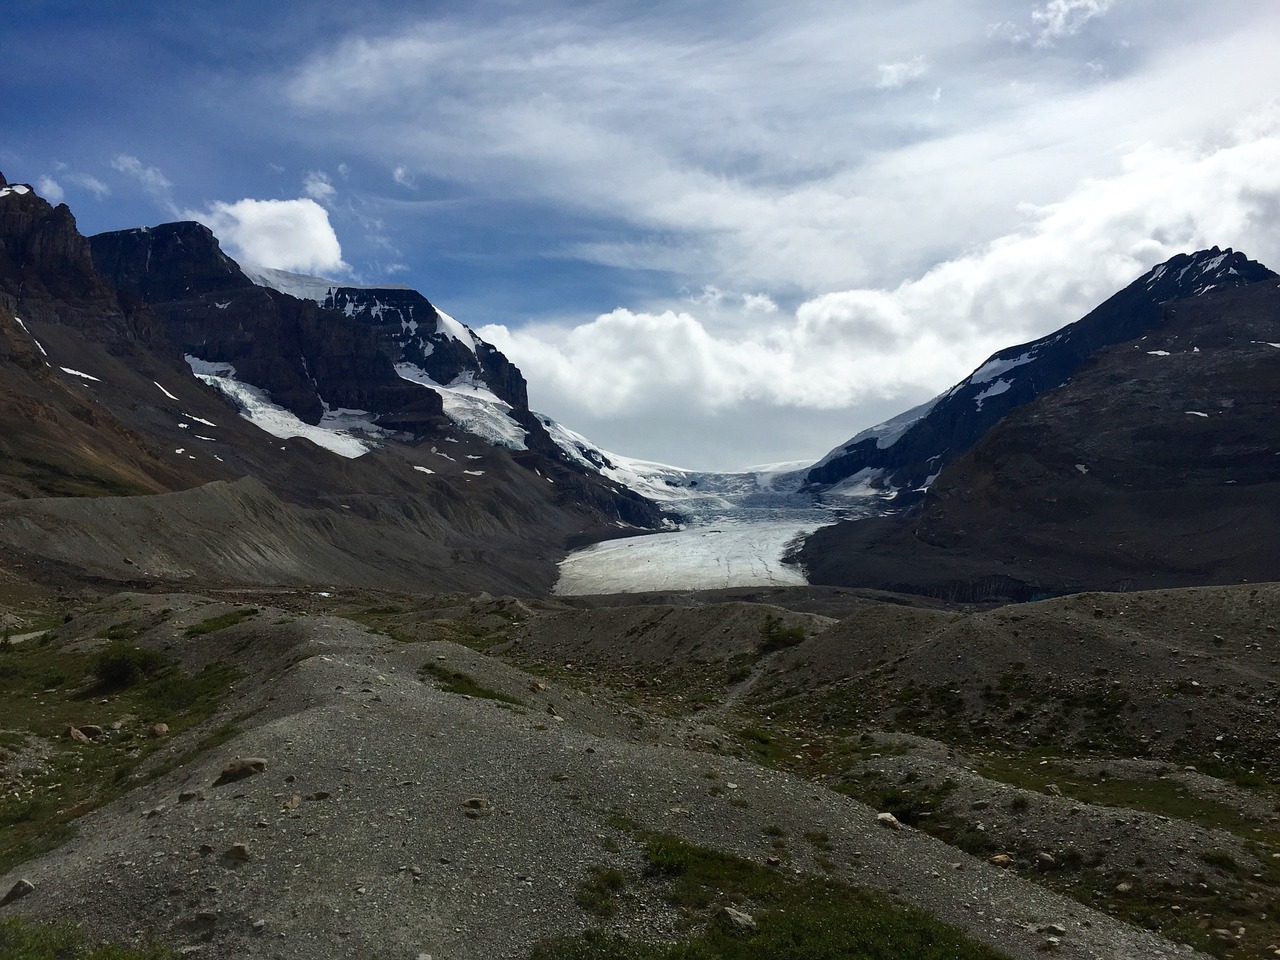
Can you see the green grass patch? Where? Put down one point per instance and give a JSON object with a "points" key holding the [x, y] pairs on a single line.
{"points": [[46, 689], [598, 894], [796, 918], [455, 681], [221, 622], [23, 940], [774, 636]]}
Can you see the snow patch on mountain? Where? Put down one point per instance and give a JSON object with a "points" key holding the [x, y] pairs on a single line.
{"points": [[472, 407], [254, 404], [303, 286]]}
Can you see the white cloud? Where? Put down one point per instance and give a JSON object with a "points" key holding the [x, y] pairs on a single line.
{"points": [[894, 75], [50, 189], [401, 176], [91, 183], [316, 185], [861, 348], [1065, 18], [152, 179], [282, 234]]}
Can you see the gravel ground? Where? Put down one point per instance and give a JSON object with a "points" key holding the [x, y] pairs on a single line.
{"points": [[387, 862]]}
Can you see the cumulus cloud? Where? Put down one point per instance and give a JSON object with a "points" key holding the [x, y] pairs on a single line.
{"points": [[894, 75], [401, 176], [862, 348], [316, 185], [281, 234], [50, 189]]}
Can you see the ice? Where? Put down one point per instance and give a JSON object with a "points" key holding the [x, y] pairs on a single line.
{"points": [[887, 433], [474, 473], [17, 189], [472, 406], [1157, 353], [997, 388], [1195, 413], [207, 423], [1082, 468], [994, 367], [702, 558], [423, 469], [167, 393], [39, 345], [303, 286], [255, 405], [78, 373], [454, 330]]}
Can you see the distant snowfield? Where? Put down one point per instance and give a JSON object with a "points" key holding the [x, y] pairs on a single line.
{"points": [[704, 557]]}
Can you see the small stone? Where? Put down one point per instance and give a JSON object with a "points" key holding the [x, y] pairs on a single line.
{"points": [[158, 731], [155, 811], [1053, 789], [538, 687], [259, 925], [1050, 945], [238, 851], [773, 861], [319, 795], [1053, 929], [1001, 860], [1124, 887], [76, 734], [475, 807], [19, 890], [206, 849], [1045, 861], [736, 920], [186, 796], [888, 821], [92, 731], [240, 768]]}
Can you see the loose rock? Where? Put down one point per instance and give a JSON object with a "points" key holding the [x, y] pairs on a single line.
{"points": [[888, 821], [240, 768], [19, 890]]}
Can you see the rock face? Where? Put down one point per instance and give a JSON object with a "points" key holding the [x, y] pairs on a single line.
{"points": [[910, 451], [1153, 465], [304, 356], [47, 270]]}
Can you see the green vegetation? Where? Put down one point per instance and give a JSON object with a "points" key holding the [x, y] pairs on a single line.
{"points": [[775, 636], [221, 622], [21, 940], [795, 918], [454, 681], [122, 690], [598, 894]]}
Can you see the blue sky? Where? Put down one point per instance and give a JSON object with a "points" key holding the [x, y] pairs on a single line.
{"points": [[709, 233]]}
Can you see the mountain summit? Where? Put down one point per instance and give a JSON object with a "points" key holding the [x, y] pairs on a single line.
{"points": [[909, 451]]}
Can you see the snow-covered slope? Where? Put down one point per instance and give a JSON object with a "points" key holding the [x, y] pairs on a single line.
{"points": [[471, 406], [303, 286], [334, 432]]}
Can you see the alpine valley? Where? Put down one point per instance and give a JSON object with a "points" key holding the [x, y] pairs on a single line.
{"points": [[318, 642]]}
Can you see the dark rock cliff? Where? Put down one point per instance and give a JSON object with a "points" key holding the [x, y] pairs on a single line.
{"points": [[303, 355]]}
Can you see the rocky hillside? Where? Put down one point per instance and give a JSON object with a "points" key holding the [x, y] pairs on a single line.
{"points": [[908, 452], [1153, 465], [146, 362], [606, 780]]}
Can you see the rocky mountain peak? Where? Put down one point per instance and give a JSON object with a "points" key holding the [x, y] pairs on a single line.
{"points": [[171, 262], [909, 452], [44, 259]]}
